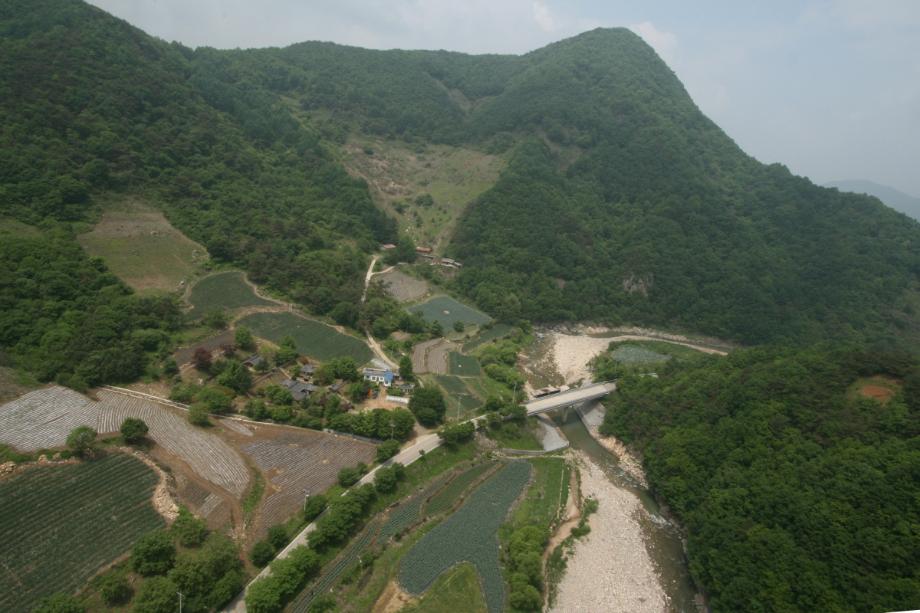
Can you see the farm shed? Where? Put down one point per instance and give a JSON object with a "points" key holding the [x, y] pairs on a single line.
{"points": [[379, 375]]}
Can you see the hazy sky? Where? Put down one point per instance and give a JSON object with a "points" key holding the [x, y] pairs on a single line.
{"points": [[831, 88]]}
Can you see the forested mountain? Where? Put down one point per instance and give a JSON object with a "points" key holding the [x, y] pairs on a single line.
{"points": [[621, 202], [89, 103], [793, 471], [896, 199]]}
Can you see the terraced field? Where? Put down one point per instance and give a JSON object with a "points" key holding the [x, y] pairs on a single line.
{"points": [[460, 398], [225, 290], [43, 419], [60, 524], [485, 336], [313, 339], [448, 496], [448, 311], [463, 365], [469, 535], [301, 461]]}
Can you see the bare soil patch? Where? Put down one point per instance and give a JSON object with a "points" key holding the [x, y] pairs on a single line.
{"points": [[431, 356], [403, 287], [393, 599]]}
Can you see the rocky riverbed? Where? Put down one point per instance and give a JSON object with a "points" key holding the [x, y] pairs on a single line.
{"points": [[610, 569]]}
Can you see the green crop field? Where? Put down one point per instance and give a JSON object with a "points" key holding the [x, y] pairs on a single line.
{"points": [[460, 398], [546, 494], [60, 524], [469, 535], [496, 332], [445, 499], [447, 311], [226, 290], [313, 339], [463, 365]]}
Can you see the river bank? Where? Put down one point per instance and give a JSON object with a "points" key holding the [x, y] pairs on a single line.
{"points": [[593, 416]]}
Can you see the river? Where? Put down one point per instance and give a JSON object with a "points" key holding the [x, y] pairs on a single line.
{"points": [[662, 538]]}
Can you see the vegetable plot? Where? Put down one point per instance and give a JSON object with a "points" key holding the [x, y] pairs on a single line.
{"points": [[61, 524], [469, 535]]}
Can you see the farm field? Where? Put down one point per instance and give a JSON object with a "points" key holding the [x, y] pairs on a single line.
{"points": [[469, 535], [313, 339], [431, 356], [456, 590], [60, 524], [42, 419], [546, 494], [143, 249], [226, 291], [463, 365], [448, 311], [496, 332], [377, 533], [294, 462], [461, 401], [403, 287], [447, 496]]}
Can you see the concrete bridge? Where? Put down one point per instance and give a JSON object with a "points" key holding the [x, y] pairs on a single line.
{"points": [[570, 397]]}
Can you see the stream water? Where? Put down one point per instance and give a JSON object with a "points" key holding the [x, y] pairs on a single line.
{"points": [[661, 536]]}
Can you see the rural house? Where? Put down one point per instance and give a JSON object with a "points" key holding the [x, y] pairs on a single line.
{"points": [[299, 390], [379, 375], [253, 361]]}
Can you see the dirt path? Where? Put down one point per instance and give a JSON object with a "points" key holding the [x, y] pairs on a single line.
{"points": [[611, 569], [371, 341]]}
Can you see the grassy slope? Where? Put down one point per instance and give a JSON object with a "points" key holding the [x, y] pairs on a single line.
{"points": [[143, 249], [398, 173], [456, 590]]}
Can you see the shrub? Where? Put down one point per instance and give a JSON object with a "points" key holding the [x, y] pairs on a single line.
{"points": [[243, 338], [388, 477], [428, 406], [262, 553], [153, 554], [455, 434], [198, 415], [214, 399], [387, 449], [82, 441], [133, 429], [349, 476], [278, 536], [156, 595], [190, 531], [316, 504], [59, 603], [114, 589]]}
